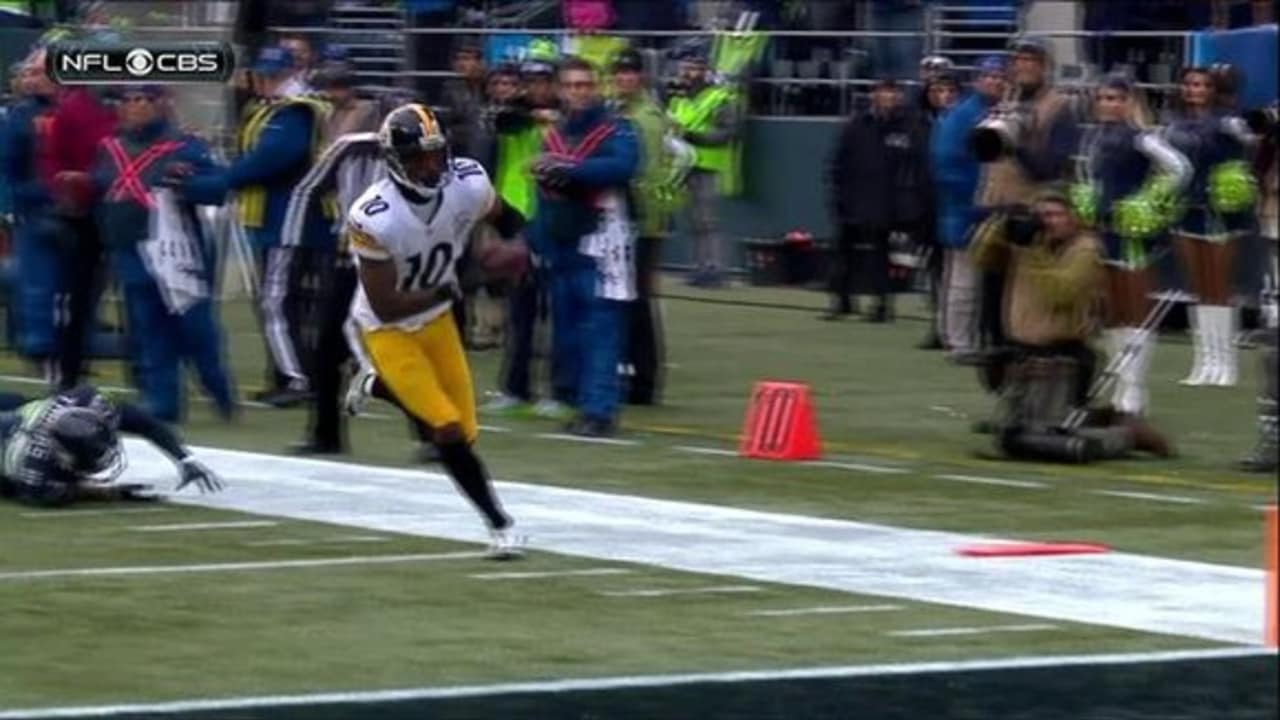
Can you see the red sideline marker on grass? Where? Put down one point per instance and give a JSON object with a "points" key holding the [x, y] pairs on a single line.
{"points": [[781, 423], [1025, 549]]}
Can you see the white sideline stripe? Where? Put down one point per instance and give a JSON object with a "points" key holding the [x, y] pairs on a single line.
{"points": [[296, 542], [575, 438], [181, 527], [667, 592], [948, 632], [1123, 590], [65, 514], [549, 574], [494, 428], [1178, 499], [983, 480], [823, 610], [860, 467], [238, 566], [629, 682], [705, 451]]}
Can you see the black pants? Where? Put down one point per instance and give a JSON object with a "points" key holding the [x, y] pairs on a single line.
{"points": [[862, 252], [524, 304], [83, 276], [290, 322], [332, 358], [644, 346], [991, 320]]}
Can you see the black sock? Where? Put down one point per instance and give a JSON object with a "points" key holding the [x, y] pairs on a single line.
{"points": [[469, 475]]}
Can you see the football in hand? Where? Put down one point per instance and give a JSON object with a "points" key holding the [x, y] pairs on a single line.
{"points": [[504, 259]]}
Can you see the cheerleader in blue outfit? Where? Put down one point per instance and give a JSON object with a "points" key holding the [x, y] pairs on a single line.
{"points": [[1218, 203], [1133, 172]]}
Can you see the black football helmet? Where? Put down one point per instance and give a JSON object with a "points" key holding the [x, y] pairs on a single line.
{"points": [[86, 443], [408, 134]]}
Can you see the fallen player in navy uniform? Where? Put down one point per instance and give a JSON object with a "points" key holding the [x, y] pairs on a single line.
{"points": [[66, 447]]}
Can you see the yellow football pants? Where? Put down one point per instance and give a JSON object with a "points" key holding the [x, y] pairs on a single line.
{"points": [[426, 369]]}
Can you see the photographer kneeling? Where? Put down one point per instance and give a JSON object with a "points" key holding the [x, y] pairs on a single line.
{"points": [[1055, 280]]}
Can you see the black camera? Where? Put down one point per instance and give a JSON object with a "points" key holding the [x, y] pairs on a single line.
{"points": [[1021, 227], [998, 134]]}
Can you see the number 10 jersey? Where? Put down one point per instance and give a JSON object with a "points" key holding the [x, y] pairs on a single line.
{"points": [[424, 240]]}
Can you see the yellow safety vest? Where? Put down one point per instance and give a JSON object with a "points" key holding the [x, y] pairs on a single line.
{"points": [[252, 200], [695, 115]]}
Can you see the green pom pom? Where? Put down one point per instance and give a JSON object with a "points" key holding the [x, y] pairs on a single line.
{"points": [[1136, 217], [1231, 187], [1084, 199]]}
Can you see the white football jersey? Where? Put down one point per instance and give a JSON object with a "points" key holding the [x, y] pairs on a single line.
{"points": [[424, 240]]}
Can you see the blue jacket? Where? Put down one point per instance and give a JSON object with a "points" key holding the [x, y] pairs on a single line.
{"points": [[278, 161], [564, 216], [122, 218], [955, 170], [18, 162]]}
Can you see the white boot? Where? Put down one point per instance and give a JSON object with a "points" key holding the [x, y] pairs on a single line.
{"points": [[1117, 341], [1199, 345], [1136, 402], [1226, 359]]}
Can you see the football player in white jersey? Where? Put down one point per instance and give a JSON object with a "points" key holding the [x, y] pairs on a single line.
{"points": [[407, 232]]}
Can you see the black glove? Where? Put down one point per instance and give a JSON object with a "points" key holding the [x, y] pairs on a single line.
{"points": [[194, 471], [552, 172]]}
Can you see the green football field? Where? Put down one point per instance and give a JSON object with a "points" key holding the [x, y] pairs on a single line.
{"points": [[661, 553]]}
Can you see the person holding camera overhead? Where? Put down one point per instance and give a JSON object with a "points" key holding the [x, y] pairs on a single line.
{"points": [[1026, 143], [1133, 175], [1218, 202]]}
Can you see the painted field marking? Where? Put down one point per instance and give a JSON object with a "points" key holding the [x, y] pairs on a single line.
{"points": [[629, 682], [238, 566], [1177, 499], [984, 480], [823, 610], [589, 572], [719, 452], [183, 527], [297, 542], [860, 467], [954, 631], [598, 441], [667, 592], [68, 514], [892, 564]]}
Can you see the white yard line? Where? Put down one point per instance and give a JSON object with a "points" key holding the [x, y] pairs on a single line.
{"points": [[1176, 499], [299, 542], [1135, 592], [823, 610], [72, 514], [184, 527], [860, 467], [628, 682], [565, 437], [984, 480], [669, 592], [588, 572], [955, 631], [237, 566], [719, 452]]}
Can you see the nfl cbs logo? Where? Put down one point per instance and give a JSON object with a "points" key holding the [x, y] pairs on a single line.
{"points": [[110, 64]]}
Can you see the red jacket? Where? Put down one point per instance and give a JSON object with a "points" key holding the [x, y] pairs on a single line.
{"points": [[80, 122]]}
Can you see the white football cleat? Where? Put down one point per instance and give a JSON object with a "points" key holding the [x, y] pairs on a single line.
{"points": [[506, 544], [358, 391]]}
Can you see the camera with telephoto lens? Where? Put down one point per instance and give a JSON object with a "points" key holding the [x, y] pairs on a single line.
{"points": [[1263, 121], [1021, 227], [999, 133]]}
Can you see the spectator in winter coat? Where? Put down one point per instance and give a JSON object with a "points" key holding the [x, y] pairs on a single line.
{"points": [[955, 175], [877, 177]]}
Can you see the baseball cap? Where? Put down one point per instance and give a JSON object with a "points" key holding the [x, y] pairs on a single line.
{"points": [[627, 59], [991, 65], [273, 60], [1030, 45]]}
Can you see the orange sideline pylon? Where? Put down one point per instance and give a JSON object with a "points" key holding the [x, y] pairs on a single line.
{"points": [[780, 423], [1271, 635]]}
